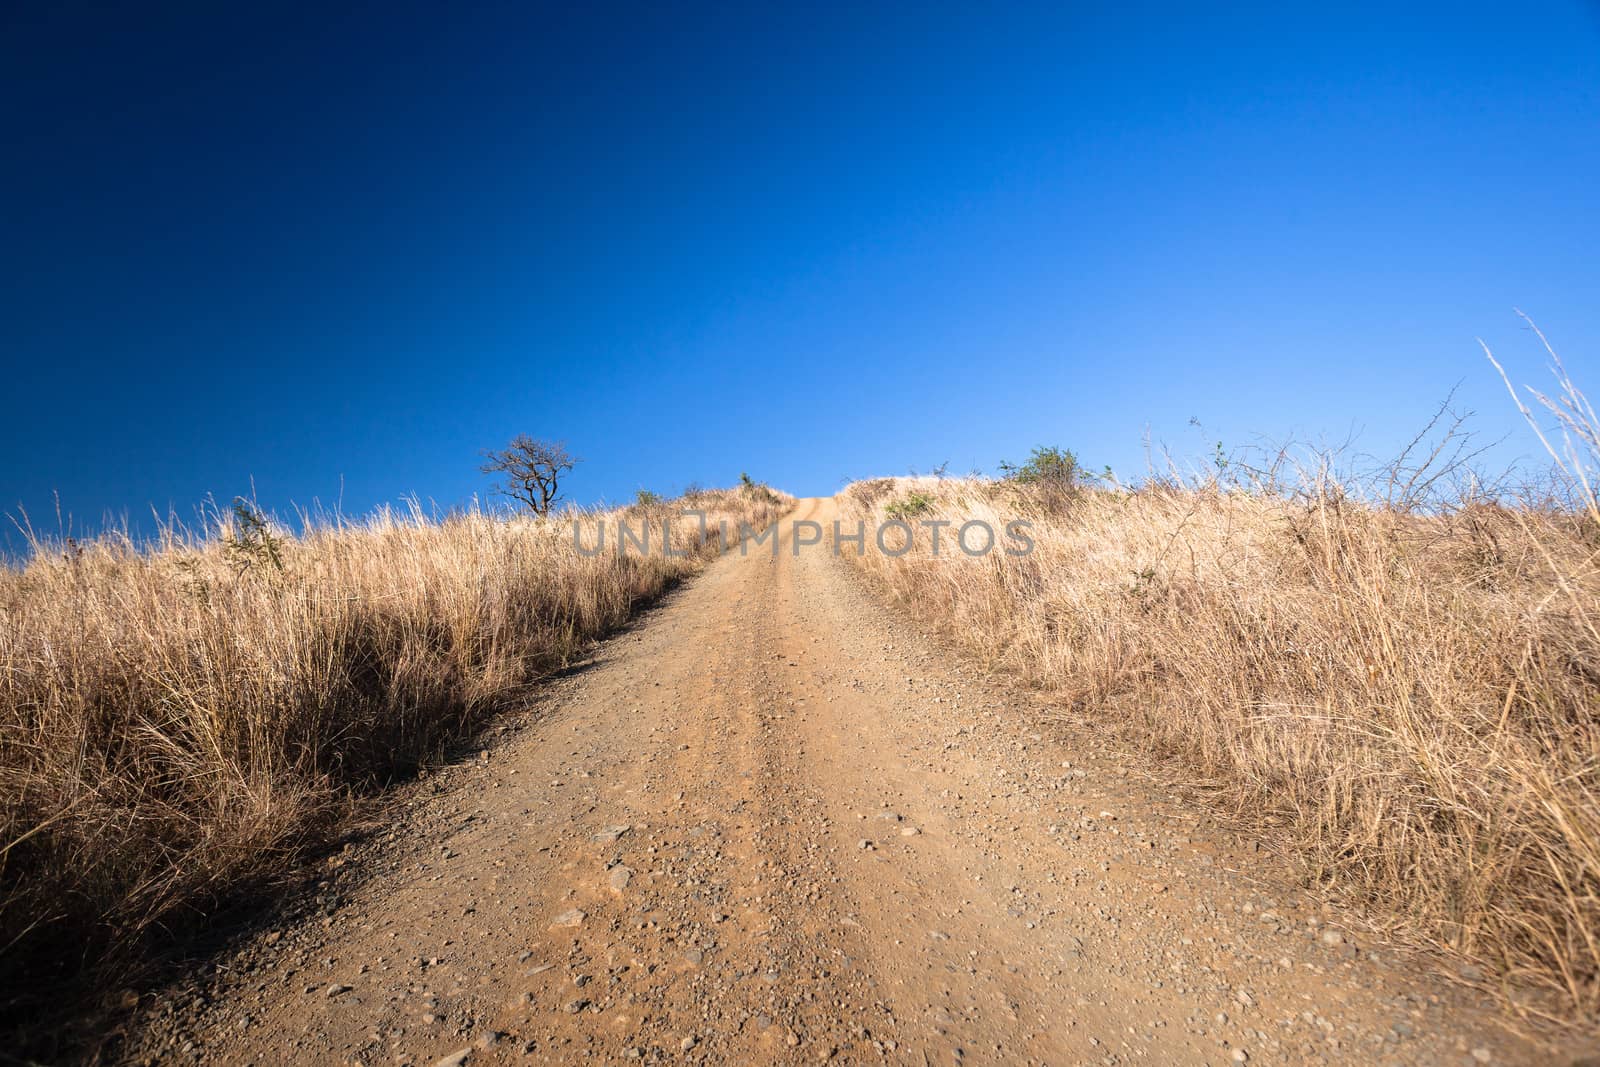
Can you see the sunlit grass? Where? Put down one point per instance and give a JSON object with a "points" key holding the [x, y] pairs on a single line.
{"points": [[1412, 691], [178, 721]]}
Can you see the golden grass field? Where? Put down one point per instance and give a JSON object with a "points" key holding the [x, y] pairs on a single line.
{"points": [[1401, 688], [1410, 697], [181, 721]]}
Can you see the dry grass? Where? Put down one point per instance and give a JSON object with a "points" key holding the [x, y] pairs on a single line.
{"points": [[1413, 694], [180, 722]]}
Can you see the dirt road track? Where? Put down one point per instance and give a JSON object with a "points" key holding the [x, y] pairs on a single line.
{"points": [[772, 824]]}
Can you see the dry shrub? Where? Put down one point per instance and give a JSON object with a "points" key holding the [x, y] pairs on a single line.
{"points": [[870, 491], [178, 723], [1412, 692]]}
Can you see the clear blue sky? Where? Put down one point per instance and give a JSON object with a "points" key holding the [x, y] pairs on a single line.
{"points": [[340, 253]]}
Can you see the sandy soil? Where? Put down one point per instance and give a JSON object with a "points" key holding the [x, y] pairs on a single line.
{"points": [[773, 823]]}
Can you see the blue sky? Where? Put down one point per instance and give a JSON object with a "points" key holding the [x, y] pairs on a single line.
{"points": [[334, 255]]}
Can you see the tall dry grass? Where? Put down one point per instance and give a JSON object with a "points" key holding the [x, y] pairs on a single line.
{"points": [[181, 721], [1411, 692]]}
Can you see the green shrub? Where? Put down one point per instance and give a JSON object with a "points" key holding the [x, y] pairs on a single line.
{"points": [[909, 506], [1047, 465]]}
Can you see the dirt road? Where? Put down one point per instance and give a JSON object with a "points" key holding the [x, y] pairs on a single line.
{"points": [[770, 823]]}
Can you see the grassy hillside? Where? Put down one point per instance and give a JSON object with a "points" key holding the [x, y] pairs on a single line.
{"points": [[177, 722], [1411, 692]]}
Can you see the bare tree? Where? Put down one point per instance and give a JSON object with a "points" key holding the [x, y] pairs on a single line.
{"points": [[530, 470]]}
